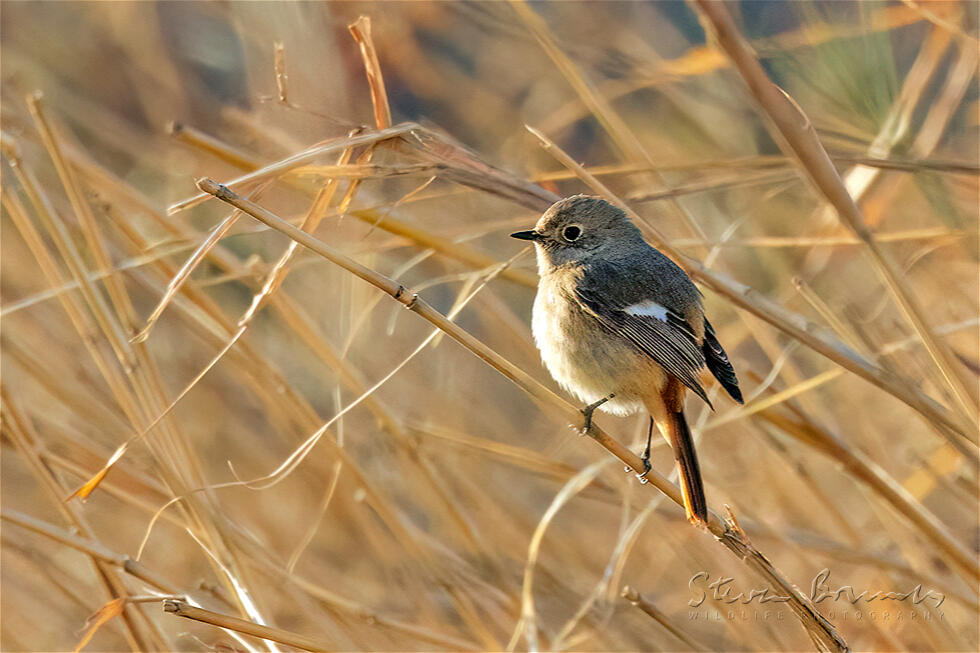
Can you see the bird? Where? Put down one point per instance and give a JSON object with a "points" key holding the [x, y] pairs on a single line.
{"points": [[622, 327]]}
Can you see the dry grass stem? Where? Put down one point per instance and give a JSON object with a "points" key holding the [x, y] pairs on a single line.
{"points": [[309, 155], [636, 599], [227, 622], [92, 548], [381, 219], [185, 271], [360, 29]]}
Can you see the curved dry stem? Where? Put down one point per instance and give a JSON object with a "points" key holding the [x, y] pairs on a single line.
{"points": [[527, 624]]}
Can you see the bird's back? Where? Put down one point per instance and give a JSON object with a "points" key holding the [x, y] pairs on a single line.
{"points": [[644, 274]]}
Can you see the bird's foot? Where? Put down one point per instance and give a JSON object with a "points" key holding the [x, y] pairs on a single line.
{"points": [[587, 413], [646, 470], [640, 476]]}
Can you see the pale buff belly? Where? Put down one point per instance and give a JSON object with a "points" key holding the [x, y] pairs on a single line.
{"points": [[588, 360]]}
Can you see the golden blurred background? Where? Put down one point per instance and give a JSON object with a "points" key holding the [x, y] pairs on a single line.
{"points": [[443, 507]]}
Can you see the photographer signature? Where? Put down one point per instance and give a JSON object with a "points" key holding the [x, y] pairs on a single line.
{"points": [[721, 589]]}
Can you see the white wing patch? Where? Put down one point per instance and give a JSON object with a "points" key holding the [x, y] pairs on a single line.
{"points": [[648, 308]]}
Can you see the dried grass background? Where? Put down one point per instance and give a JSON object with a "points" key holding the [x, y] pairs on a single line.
{"points": [[449, 509]]}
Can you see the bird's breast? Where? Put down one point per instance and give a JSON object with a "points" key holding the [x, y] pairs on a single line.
{"points": [[584, 357]]}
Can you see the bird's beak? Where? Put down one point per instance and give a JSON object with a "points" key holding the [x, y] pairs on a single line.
{"points": [[527, 235]]}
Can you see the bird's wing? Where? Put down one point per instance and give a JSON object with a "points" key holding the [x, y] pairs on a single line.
{"points": [[718, 363], [658, 331]]}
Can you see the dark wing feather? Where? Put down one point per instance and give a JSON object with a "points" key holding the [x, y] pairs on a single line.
{"points": [[672, 344], [718, 363]]}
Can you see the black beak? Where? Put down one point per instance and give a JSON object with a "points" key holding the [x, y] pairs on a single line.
{"points": [[526, 235]]}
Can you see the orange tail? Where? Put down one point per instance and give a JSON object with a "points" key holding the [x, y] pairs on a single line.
{"points": [[692, 488]]}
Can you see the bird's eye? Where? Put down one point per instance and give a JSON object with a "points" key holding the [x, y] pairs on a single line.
{"points": [[571, 232]]}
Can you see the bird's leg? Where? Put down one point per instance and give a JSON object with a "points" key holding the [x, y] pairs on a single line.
{"points": [[645, 458], [588, 410], [646, 452]]}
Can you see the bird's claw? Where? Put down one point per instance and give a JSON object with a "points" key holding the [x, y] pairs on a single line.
{"points": [[641, 476], [587, 413]]}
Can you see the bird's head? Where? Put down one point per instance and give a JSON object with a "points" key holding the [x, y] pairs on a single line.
{"points": [[579, 227]]}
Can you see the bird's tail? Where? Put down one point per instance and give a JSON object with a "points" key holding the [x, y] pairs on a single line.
{"points": [[692, 488]]}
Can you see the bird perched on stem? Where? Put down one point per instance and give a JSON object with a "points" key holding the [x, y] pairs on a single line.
{"points": [[622, 327]]}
